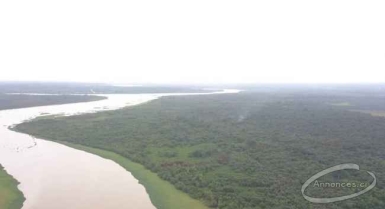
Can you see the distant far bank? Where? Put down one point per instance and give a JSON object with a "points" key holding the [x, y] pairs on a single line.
{"points": [[15, 101], [93, 88]]}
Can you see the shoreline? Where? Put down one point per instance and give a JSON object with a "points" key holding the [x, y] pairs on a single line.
{"points": [[163, 194], [10, 195]]}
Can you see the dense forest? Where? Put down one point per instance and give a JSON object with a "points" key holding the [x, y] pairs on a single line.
{"points": [[243, 151], [14, 101]]}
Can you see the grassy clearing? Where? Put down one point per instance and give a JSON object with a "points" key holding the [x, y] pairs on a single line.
{"points": [[10, 196], [162, 194], [372, 112], [341, 104]]}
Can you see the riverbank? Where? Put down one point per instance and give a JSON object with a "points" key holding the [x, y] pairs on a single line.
{"points": [[10, 196], [162, 194], [47, 170], [114, 178]]}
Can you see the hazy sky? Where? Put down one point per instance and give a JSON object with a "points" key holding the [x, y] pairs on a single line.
{"points": [[209, 41]]}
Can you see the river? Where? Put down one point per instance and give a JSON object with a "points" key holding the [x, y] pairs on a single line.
{"points": [[52, 175]]}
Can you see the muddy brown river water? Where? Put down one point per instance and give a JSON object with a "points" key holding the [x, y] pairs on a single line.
{"points": [[52, 175]]}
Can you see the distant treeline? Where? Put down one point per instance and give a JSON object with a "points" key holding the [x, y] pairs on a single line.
{"points": [[20, 101], [84, 88], [250, 150]]}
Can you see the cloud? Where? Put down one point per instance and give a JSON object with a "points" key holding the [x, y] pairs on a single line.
{"points": [[193, 42]]}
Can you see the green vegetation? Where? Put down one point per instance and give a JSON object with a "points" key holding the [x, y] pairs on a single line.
{"points": [[251, 150], [15, 101], [10, 196]]}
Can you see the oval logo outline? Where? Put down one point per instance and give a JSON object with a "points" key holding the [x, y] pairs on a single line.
{"points": [[341, 198]]}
